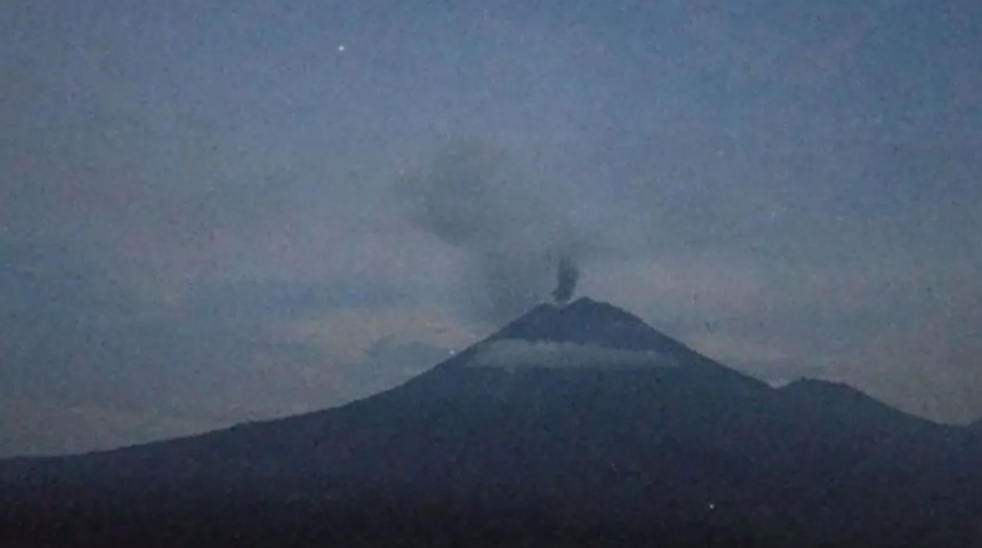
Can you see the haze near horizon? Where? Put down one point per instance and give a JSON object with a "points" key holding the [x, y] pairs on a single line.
{"points": [[211, 214]]}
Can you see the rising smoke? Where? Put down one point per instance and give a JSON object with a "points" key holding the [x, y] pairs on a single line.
{"points": [[517, 242], [567, 274]]}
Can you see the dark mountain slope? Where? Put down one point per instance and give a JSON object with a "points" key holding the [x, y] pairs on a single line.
{"points": [[650, 432]]}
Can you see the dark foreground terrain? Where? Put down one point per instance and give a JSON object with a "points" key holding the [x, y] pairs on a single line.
{"points": [[572, 426], [180, 523], [173, 521]]}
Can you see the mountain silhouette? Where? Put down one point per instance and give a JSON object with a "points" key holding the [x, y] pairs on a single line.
{"points": [[586, 321], [587, 417]]}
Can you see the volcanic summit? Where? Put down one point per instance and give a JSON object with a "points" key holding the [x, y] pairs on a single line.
{"points": [[579, 417], [585, 333]]}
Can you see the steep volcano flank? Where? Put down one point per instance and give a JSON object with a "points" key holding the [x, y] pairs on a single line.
{"points": [[658, 436], [586, 321], [589, 334]]}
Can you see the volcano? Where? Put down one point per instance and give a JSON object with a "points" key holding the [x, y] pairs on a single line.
{"points": [[571, 422]]}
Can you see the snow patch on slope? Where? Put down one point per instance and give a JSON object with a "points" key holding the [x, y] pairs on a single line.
{"points": [[509, 353]]}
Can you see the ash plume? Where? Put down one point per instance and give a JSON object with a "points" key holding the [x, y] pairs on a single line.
{"points": [[567, 274], [510, 230]]}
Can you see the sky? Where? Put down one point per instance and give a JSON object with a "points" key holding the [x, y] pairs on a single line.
{"points": [[212, 213]]}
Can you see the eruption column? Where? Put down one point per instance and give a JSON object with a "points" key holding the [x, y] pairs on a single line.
{"points": [[567, 274]]}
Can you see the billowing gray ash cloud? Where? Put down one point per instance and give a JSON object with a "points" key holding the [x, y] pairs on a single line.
{"points": [[517, 241], [567, 274]]}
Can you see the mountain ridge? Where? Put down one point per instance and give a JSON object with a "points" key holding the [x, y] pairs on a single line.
{"points": [[587, 321], [600, 443]]}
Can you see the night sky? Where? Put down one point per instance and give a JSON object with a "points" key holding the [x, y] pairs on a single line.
{"points": [[213, 212]]}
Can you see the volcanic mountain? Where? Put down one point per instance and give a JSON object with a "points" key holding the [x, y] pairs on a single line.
{"points": [[584, 416]]}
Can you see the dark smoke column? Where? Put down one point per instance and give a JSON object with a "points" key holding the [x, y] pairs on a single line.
{"points": [[567, 274]]}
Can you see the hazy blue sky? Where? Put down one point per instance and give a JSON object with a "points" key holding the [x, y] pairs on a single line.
{"points": [[213, 211]]}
